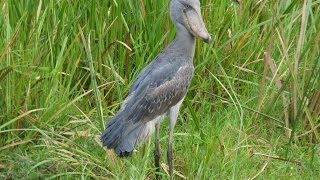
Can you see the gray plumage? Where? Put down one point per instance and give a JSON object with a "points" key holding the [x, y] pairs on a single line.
{"points": [[161, 87]]}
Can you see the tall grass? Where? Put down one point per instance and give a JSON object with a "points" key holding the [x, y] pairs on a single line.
{"points": [[252, 110]]}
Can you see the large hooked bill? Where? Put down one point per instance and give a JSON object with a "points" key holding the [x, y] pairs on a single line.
{"points": [[196, 25]]}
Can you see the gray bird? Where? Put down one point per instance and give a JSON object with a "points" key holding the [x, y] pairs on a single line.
{"points": [[160, 88]]}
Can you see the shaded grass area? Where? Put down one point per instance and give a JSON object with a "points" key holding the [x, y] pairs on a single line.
{"points": [[252, 110]]}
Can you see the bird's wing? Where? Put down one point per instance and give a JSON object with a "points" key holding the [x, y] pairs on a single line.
{"points": [[161, 89], [158, 67], [143, 74]]}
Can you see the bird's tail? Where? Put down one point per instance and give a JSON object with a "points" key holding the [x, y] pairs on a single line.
{"points": [[123, 134]]}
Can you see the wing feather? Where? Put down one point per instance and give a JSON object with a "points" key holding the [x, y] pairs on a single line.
{"points": [[159, 92]]}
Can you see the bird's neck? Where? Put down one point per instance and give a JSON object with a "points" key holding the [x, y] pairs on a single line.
{"points": [[184, 42]]}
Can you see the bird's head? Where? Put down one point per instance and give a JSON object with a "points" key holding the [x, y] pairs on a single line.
{"points": [[187, 13]]}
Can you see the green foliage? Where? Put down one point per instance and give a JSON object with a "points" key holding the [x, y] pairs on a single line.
{"points": [[61, 61]]}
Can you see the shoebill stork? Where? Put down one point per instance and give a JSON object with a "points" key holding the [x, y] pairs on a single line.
{"points": [[160, 88]]}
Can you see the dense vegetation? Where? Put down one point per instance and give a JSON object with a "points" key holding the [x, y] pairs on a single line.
{"points": [[252, 109]]}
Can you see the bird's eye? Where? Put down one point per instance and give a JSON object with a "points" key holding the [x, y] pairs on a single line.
{"points": [[186, 7]]}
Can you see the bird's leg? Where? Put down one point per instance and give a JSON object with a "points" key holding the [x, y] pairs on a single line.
{"points": [[173, 115], [169, 152], [157, 151]]}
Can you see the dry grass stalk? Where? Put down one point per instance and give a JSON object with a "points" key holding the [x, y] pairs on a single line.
{"points": [[3, 75], [264, 76], [278, 158], [12, 40], [263, 84], [278, 84], [166, 169], [309, 117], [262, 169], [230, 37], [128, 50], [167, 29], [315, 104], [296, 59], [142, 8], [15, 144], [39, 10]]}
